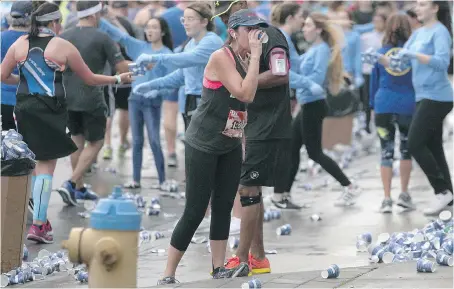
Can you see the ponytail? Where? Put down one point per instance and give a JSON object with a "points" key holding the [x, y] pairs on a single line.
{"points": [[43, 9], [335, 67], [34, 31]]}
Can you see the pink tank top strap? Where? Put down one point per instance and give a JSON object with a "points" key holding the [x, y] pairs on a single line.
{"points": [[216, 84]]}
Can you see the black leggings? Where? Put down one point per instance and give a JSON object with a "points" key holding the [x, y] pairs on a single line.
{"points": [[208, 176], [425, 142], [307, 129], [364, 95]]}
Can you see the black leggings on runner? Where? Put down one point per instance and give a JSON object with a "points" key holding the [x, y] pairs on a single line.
{"points": [[307, 129], [364, 95], [208, 176], [425, 142]]}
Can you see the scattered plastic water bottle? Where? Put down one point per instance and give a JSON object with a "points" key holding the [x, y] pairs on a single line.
{"points": [[251, 284], [81, 276], [270, 215], [153, 211], [331, 272], [425, 266], [140, 202], [284, 230], [25, 253], [147, 236], [444, 259], [110, 170]]}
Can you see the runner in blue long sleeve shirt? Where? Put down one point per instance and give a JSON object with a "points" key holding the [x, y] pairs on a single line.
{"points": [[145, 108], [191, 62], [393, 99], [429, 49]]}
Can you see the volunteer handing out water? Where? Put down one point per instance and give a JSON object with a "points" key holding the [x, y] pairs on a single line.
{"points": [[191, 62]]}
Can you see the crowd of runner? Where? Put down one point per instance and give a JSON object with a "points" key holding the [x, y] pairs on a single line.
{"points": [[253, 82]]}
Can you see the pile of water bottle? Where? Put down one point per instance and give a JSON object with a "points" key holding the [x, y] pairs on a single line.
{"points": [[430, 245], [13, 147], [45, 264]]}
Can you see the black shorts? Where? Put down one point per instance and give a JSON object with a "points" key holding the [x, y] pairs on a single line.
{"points": [[92, 125], [266, 163], [121, 97], [41, 120]]}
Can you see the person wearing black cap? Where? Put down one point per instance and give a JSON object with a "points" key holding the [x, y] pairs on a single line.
{"points": [[267, 147], [19, 25], [213, 141]]}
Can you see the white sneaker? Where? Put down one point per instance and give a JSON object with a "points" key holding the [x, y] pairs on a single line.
{"points": [[440, 202], [348, 197], [386, 206], [235, 226], [204, 227]]}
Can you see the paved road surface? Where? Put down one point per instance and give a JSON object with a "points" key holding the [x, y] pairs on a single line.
{"points": [[312, 245]]}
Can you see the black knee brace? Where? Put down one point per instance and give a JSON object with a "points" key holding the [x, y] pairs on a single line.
{"points": [[249, 201]]}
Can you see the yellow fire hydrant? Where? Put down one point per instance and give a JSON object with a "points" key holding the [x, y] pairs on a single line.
{"points": [[109, 247]]}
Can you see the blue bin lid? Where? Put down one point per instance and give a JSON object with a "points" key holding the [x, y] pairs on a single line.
{"points": [[116, 213]]}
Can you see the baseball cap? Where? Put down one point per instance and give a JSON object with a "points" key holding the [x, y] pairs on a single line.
{"points": [[21, 9], [221, 7], [246, 17], [119, 4]]}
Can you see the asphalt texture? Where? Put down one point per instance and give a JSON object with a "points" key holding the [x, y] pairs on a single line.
{"points": [[312, 246]]}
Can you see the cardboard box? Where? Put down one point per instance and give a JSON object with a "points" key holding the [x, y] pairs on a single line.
{"points": [[337, 130], [15, 192]]}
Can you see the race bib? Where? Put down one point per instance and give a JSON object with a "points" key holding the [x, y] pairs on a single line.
{"points": [[236, 122]]}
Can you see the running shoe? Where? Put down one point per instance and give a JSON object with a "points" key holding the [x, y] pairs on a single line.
{"points": [[40, 235], [286, 204], [441, 201], [68, 194], [386, 206], [405, 201], [220, 273], [107, 153], [348, 197], [172, 161], [167, 280], [31, 206], [85, 194], [235, 226], [123, 148], [48, 228], [236, 268], [259, 266]]}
